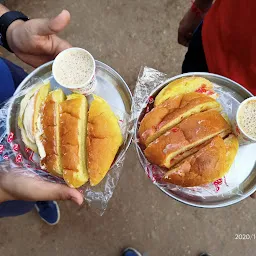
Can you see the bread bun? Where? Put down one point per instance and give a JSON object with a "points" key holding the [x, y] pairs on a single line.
{"points": [[190, 133], [103, 140], [171, 112], [29, 112], [207, 165], [185, 85], [73, 119], [48, 137], [210, 163]]}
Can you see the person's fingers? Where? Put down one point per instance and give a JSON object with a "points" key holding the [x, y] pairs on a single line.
{"points": [[187, 40], [35, 60], [21, 187], [182, 40], [45, 27], [52, 191], [58, 23], [56, 45], [59, 45], [74, 195]]}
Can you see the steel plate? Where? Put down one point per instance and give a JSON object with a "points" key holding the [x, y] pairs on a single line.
{"points": [[244, 167], [110, 86]]}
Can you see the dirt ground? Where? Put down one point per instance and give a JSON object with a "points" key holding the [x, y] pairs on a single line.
{"points": [[127, 35]]}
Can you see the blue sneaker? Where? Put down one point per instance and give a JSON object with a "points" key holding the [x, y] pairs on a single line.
{"points": [[48, 211], [131, 252]]}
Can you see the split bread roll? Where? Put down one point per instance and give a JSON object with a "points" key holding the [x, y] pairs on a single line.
{"points": [[171, 112], [177, 159], [185, 85], [30, 107], [190, 133], [48, 138], [209, 164], [73, 119], [103, 140]]}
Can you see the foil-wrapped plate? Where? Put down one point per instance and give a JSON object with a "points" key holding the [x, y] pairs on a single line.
{"points": [[109, 85], [239, 182]]}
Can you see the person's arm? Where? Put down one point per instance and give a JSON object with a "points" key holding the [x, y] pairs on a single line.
{"points": [[17, 186], [192, 19], [3, 9], [203, 4], [35, 41]]}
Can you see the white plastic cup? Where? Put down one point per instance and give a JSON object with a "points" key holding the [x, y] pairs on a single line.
{"points": [[88, 85], [243, 137]]}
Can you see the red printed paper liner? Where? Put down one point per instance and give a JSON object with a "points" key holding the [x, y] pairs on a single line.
{"points": [[13, 151]]}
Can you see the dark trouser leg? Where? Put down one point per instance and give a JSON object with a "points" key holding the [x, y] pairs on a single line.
{"points": [[10, 77], [195, 58], [15, 208], [18, 73]]}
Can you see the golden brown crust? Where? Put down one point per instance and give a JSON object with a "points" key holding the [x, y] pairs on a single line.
{"points": [[50, 136], [190, 133], [232, 145], [207, 165], [151, 120], [103, 140], [171, 112], [73, 114], [101, 155], [49, 143], [177, 159], [69, 139], [184, 85]]}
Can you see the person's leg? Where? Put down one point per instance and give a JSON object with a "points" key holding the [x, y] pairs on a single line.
{"points": [[9, 82], [48, 210], [17, 73], [195, 58], [15, 208], [131, 252], [11, 76], [7, 85]]}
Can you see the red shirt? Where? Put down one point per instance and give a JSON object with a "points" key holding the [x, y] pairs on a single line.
{"points": [[229, 41]]}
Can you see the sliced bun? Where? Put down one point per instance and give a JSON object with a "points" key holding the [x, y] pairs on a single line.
{"points": [[73, 119], [191, 132], [29, 112], [207, 165], [210, 163], [185, 85], [171, 112], [48, 138], [103, 140]]}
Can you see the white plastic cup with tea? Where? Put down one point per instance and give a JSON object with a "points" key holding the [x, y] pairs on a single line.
{"points": [[245, 128], [74, 68]]}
